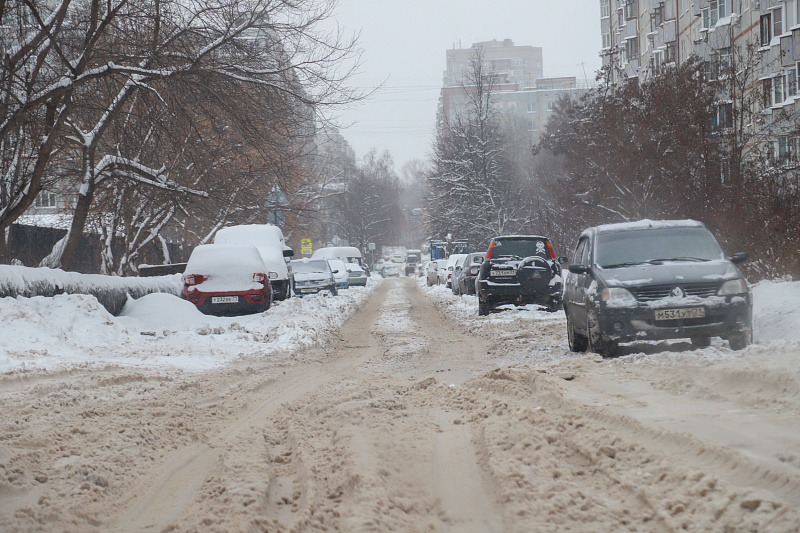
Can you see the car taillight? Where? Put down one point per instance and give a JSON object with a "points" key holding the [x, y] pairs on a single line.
{"points": [[550, 249], [259, 277], [190, 279], [489, 253], [473, 271]]}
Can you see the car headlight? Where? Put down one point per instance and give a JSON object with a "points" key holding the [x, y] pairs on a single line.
{"points": [[618, 296], [734, 286]]}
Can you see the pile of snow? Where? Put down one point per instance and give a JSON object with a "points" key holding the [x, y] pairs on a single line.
{"points": [[160, 330]]}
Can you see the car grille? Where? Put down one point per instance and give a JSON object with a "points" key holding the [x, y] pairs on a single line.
{"points": [[651, 294]]}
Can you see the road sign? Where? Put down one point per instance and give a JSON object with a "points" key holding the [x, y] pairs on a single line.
{"points": [[305, 247]]}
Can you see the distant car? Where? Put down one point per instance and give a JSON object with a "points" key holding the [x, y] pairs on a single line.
{"points": [[451, 265], [654, 280], [390, 270], [520, 270], [356, 275], [457, 271], [311, 276], [432, 271], [340, 273], [465, 281], [227, 279]]}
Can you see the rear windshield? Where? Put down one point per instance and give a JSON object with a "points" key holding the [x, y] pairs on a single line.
{"points": [[520, 248], [656, 245], [309, 267]]}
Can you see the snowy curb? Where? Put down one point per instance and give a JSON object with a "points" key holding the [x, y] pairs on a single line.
{"points": [[111, 291]]}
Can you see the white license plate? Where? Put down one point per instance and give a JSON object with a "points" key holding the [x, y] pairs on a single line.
{"points": [[224, 299], [304, 291], [503, 272], [679, 314]]}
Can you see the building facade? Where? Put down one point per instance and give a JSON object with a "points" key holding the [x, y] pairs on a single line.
{"points": [[639, 37]]}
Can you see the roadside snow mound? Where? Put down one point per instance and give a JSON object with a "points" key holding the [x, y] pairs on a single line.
{"points": [[65, 331]]}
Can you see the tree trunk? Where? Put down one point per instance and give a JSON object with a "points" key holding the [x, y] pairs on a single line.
{"points": [[69, 256]]}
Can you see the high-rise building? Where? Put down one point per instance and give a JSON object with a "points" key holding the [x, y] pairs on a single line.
{"points": [[521, 65]]}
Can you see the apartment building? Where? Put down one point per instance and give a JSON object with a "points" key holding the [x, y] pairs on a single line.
{"points": [[519, 88], [639, 37]]}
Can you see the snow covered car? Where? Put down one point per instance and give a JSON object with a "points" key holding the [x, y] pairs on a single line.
{"points": [[340, 273], [223, 279], [458, 269], [311, 276], [464, 283], [653, 280], [390, 270], [446, 274], [270, 243], [356, 275], [521, 270], [432, 271]]}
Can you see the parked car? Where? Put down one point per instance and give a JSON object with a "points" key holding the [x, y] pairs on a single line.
{"points": [[655, 280], [432, 271], [311, 276], [519, 269], [269, 242], [446, 276], [340, 273], [464, 282], [223, 279], [390, 270], [457, 270], [357, 276]]}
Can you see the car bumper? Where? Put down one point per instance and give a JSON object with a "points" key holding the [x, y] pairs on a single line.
{"points": [[360, 281], [246, 302], [625, 325], [501, 293]]}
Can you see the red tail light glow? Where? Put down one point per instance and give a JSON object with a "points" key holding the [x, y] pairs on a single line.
{"points": [[489, 253], [550, 249], [190, 279], [259, 277]]}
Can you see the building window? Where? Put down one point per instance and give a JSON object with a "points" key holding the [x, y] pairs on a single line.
{"points": [[766, 29], [784, 150], [724, 61], [716, 10], [532, 107], [723, 116], [669, 53], [46, 199], [630, 9], [766, 100], [657, 17], [605, 12], [791, 82], [778, 87], [606, 40], [792, 8], [777, 21], [632, 48]]}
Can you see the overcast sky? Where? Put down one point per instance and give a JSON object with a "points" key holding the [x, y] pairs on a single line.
{"points": [[405, 41]]}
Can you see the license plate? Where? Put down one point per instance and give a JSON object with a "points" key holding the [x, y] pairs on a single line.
{"points": [[503, 272], [307, 290], [224, 299], [679, 314]]}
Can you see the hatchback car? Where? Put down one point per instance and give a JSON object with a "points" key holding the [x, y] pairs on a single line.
{"points": [[340, 273], [226, 279], [311, 276], [357, 276], [464, 280], [520, 270], [654, 280]]}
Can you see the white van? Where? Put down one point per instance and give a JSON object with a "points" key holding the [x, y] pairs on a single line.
{"points": [[269, 242], [352, 258]]}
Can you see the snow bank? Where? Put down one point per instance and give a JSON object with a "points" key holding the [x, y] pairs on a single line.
{"points": [[160, 330], [111, 291]]}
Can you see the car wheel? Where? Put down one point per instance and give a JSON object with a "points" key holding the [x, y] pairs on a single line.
{"points": [[333, 291], [701, 342], [597, 344], [739, 341], [484, 308], [577, 342]]}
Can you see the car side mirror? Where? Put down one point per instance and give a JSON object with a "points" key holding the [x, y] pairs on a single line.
{"points": [[288, 253], [578, 269], [563, 260], [737, 258], [273, 275], [336, 271]]}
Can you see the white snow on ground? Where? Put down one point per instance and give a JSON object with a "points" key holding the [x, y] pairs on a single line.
{"points": [[69, 331]]}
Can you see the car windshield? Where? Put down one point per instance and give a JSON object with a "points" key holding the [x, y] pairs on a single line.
{"points": [[655, 246], [310, 267], [520, 248]]}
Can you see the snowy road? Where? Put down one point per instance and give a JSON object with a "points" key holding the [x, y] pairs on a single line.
{"points": [[417, 416]]}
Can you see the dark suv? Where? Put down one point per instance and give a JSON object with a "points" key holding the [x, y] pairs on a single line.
{"points": [[519, 269], [654, 280]]}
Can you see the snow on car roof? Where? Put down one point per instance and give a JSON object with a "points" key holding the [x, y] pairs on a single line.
{"points": [[520, 237], [334, 252], [647, 224], [254, 234], [226, 259]]}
